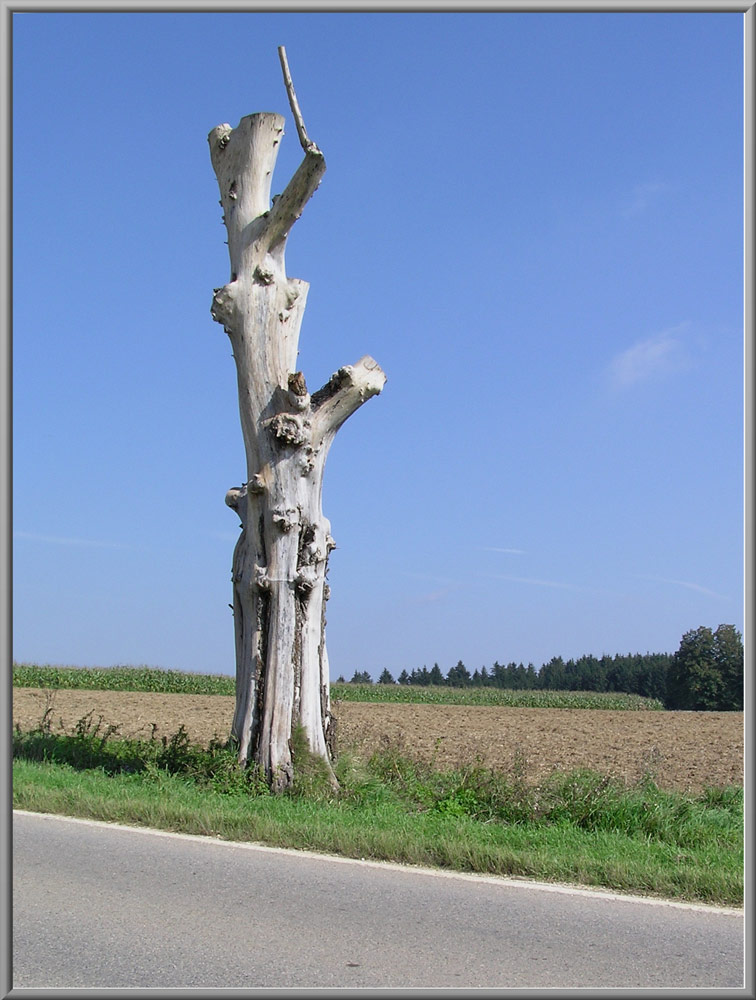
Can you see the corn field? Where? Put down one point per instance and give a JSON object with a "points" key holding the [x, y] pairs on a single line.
{"points": [[178, 682]]}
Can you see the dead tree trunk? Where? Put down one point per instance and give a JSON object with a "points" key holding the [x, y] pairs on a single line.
{"points": [[281, 557]]}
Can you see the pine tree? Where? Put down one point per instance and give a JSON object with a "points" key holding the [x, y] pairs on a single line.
{"points": [[458, 676], [435, 676], [361, 677], [499, 675], [553, 675]]}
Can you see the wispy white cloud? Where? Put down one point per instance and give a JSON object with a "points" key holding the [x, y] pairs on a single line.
{"points": [[641, 197], [491, 548], [540, 583], [32, 536], [666, 353], [429, 576], [685, 583], [432, 596], [444, 587]]}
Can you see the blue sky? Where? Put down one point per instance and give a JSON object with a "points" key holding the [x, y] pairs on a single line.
{"points": [[532, 221]]}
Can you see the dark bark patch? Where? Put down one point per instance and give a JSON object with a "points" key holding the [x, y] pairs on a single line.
{"points": [[329, 390], [297, 384]]}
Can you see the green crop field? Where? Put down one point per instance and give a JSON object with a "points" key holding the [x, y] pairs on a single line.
{"points": [[438, 695], [179, 682]]}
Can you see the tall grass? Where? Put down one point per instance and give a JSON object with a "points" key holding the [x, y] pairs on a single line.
{"points": [[177, 682]]}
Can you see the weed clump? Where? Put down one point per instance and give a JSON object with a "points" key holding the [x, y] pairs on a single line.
{"points": [[91, 746], [313, 778]]}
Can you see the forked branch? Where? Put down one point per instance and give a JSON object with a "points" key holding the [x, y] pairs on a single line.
{"points": [[288, 207]]}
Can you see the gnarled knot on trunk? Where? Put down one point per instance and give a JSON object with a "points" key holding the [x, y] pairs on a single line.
{"points": [[307, 460], [306, 579], [289, 428], [285, 519], [262, 276], [310, 552], [220, 136], [234, 497], [224, 304]]}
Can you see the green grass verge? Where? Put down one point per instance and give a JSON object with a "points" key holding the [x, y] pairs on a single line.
{"points": [[178, 682], [578, 828]]}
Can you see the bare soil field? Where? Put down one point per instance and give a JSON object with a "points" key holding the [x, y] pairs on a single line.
{"points": [[681, 750]]}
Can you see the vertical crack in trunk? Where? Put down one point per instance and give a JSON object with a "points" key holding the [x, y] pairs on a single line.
{"points": [[299, 621], [263, 618]]}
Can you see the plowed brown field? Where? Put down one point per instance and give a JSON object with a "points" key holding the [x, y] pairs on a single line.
{"points": [[682, 750]]}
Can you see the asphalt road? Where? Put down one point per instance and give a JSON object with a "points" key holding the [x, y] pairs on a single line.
{"points": [[107, 906]]}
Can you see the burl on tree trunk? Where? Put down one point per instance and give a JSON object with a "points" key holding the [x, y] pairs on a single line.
{"points": [[280, 560]]}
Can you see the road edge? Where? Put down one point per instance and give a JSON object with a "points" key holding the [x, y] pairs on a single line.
{"points": [[516, 882]]}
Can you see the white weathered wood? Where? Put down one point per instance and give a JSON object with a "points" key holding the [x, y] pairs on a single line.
{"points": [[281, 557]]}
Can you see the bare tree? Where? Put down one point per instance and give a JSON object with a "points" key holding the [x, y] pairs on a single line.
{"points": [[281, 557]]}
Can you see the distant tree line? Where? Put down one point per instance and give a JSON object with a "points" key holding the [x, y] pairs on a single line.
{"points": [[705, 674]]}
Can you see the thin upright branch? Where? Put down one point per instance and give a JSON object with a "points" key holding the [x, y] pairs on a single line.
{"points": [[298, 121]]}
